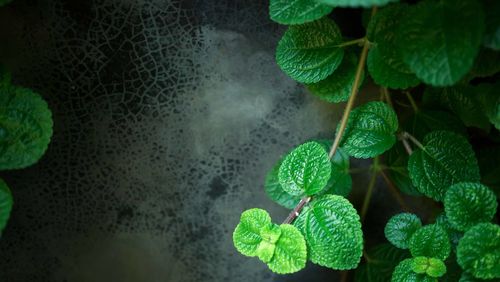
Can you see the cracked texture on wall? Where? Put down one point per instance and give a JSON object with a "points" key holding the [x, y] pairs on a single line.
{"points": [[167, 116]]}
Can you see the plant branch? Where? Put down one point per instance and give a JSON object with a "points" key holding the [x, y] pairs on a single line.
{"points": [[394, 191], [387, 96], [369, 192], [407, 146], [412, 101], [352, 98], [358, 41], [406, 135], [296, 211]]}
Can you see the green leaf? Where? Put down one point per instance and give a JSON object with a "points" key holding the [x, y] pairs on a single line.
{"points": [[25, 127], [310, 52], [430, 241], [385, 63], [425, 121], [462, 100], [453, 234], [370, 130], [290, 254], [400, 228], [356, 3], [333, 233], [440, 39], [337, 87], [492, 34], [479, 251], [445, 159], [5, 76], [305, 170], [297, 11], [467, 204], [430, 266], [340, 182], [397, 164], [382, 260], [6, 203], [4, 2], [246, 236], [487, 63], [467, 277], [275, 191], [282, 247], [404, 273], [490, 167], [488, 97]]}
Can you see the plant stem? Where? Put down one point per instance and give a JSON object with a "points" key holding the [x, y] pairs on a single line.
{"points": [[352, 98], [406, 135], [352, 42], [296, 211], [412, 101], [407, 146], [344, 275], [371, 185], [394, 191], [387, 96]]}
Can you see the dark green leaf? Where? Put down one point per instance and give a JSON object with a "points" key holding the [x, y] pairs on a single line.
{"points": [[446, 158], [4, 2], [356, 3], [5, 76], [397, 163], [340, 182], [400, 228], [382, 259], [453, 234], [490, 167], [489, 97], [425, 121], [297, 11], [310, 52], [275, 191], [487, 63], [6, 203], [333, 233], [25, 127], [430, 241], [492, 33], [440, 39]]}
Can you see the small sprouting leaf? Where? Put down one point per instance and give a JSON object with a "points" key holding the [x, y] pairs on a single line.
{"points": [[446, 158], [492, 33], [425, 121], [6, 203], [434, 46], [404, 273], [333, 233], [310, 52], [275, 191], [479, 251], [282, 247], [385, 62], [246, 236], [290, 254], [370, 130], [305, 170], [337, 87], [430, 266], [383, 259], [400, 228], [356, 3], [453, 234], [467, 204], [462, 100], [397, 164], [340, 182], [298, 11], [25, 127], [430, 241]]}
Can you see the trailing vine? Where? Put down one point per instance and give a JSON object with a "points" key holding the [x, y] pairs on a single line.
{"points": [[445, 49]]}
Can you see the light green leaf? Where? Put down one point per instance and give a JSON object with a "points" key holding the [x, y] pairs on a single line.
{"points": [[385, 62], [6, 203], [247, 236], [337, 87], [400, 228], [356, 3], [297, 11], [370, 130], [332, 230], [25, 127], [340, 182], [425, 121], [305, 170], [275, 191], [435, 46], [446, 158], [397, 164], [479, 251], [492, 34], [382, 261], [462, 100], [310, 52], [404, 273], [290, 254], [270, 235], [430, 266], [430, 241], [467, 204]]}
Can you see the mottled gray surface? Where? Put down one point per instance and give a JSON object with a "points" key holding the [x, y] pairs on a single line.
{"points": [[167, 116]]}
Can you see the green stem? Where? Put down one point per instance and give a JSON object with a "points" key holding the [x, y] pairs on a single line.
{"points": [[387, 96], [412, 101], [414, 140], [394, 191], [358, 41], [369, 192]]}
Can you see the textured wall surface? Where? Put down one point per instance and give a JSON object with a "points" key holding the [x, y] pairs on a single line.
{"points": [[168, 114]]}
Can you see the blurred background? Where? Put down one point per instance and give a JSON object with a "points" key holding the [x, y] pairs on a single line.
{"points": [[168, 115]]}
